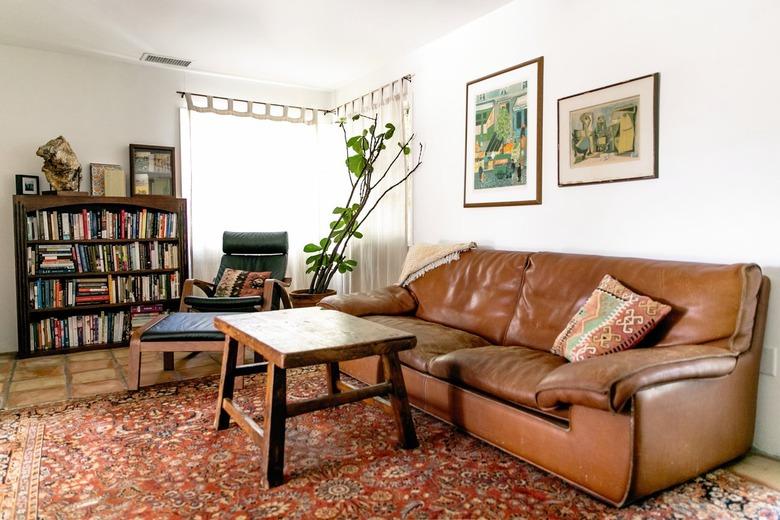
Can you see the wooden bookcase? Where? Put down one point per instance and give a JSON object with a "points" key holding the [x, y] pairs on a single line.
{"points": [[118, 249]]}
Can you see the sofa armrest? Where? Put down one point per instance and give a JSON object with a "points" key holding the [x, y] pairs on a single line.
{"points": [[392, 300], [608, 382]]}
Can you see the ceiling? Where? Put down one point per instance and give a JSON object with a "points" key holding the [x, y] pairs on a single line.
{"points": [[313, 43]]}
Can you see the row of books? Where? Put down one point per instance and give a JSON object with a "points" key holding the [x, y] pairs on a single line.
{"points": [[142, 314], [101, 258], [52, 258], [52, 293], [78, 331], [101, 223]]}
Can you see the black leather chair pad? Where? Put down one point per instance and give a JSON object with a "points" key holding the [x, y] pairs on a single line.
{"points": [[185, 326]]}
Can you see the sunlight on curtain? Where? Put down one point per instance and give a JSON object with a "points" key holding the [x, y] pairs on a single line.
{"points": [[259, 175], [381, 253]]}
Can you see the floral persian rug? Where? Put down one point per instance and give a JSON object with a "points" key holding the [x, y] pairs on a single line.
{"points": [[155, 454]]}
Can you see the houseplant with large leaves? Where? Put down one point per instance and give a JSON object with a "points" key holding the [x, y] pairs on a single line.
{"points": [[368, 186]]}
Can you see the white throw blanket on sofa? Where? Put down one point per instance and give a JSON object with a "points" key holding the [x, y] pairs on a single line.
{"points": [[421, 258]]}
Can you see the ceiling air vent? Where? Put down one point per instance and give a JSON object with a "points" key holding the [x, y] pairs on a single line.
{"points": [[165, 60]]}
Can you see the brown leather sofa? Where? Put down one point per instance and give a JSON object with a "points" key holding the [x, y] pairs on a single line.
{"points": [[620, 426]]}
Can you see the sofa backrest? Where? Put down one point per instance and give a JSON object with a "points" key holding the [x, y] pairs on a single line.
{"points": [[711, 304], [477, 293]]}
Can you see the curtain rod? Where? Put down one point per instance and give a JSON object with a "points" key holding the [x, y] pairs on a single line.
{"points": [[182, 94], [407, 77]]}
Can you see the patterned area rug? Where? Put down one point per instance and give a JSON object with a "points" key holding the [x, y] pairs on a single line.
{"points": [[154, 454]]}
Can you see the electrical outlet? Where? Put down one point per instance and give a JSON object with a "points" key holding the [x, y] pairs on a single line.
{"points": [[769, 362]]}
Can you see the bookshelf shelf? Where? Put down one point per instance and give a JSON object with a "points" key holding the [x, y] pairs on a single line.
{"points": [[81, 308], [40, 222], [73, 350], [102, 241], [99, 274]]}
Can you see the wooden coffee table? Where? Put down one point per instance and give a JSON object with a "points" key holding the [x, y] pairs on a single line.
{"points": [[298, 338]]}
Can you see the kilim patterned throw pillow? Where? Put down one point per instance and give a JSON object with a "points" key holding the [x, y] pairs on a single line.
{"points": [[613, 319], [235, 282]]}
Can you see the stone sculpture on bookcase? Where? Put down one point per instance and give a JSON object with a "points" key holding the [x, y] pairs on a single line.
{"points": [[60, 165]]}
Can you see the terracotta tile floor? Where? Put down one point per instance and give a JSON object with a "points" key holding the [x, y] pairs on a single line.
{"points": [[34, 381], [26, 382]]}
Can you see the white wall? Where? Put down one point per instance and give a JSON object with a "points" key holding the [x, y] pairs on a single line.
{"points": [[717, 196], [100, 106]]}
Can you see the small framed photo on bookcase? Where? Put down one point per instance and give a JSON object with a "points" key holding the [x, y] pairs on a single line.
{"points": [[27, 185], [107, 180], [152, 170]]}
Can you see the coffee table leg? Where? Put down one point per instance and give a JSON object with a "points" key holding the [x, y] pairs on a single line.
{"points": [[273, 427], [333, 375], [226, 381], [400, 401]]}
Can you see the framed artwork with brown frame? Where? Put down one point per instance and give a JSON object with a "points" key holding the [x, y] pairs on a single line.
{"points": [[503, 150], [152, 170], [609, 134]]}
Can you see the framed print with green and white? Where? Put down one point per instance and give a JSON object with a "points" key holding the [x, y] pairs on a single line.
{"points": [[609, 134], [503, 159]]}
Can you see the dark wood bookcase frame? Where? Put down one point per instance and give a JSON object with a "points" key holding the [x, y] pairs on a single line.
{"points": [[26, 204]]}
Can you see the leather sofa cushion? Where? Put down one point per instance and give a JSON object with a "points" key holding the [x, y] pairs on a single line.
{"points": [[509, 373], [432, 339], [609, 382], [477, 293], [711, 304], [390, 300]]}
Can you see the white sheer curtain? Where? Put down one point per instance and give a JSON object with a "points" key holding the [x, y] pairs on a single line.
{"points": [[264, 174], [247, 174], [387, 232]]}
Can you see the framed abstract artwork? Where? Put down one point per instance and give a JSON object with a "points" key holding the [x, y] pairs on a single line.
{"points": [[609, 134], [503, 163]]}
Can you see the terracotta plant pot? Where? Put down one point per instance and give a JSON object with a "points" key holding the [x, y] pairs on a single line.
{"points": [[303, 298]]}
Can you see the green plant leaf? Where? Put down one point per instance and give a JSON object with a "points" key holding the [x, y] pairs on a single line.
{"points": [[338, 210], [357, 234], [356, 117], [311, 248], [311, 269], [342, 268], [390, 130], [312, 259], [351, 263], [372, 128], [355, 164], [352, 140], [323, 242], [407, 151]]}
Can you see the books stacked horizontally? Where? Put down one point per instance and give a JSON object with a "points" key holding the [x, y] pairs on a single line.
{"points": [[101, 224], [55, 258], [141, 314], [79, 331], [92, 291]]}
